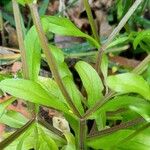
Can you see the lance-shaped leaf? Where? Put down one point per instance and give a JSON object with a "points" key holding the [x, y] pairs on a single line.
{"points": [[74, 93], [113, 141], [51, 86], [137, 104], [106, 142], [142, 109], [142, 36], [23, 2], [44, 141], [91, 81], [63, 26], [13, 119], [33, 92], [33, 53], [129, 83], [4, 104]]}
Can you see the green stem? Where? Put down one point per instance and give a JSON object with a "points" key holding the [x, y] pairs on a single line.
{"points": [[91, 20], [20, 35], [50, 58], [20, 39], [115, 32], [82, 136], [16, 134], [116, 128], [98, 105], [142, 65]]}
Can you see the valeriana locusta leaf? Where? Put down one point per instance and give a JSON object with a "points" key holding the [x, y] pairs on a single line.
{"points": [[13, 119], [74, 93], [33, 53], [143, 109], [23, 2], [123, 102], [63, 26], [62, 66], [51, 86], [129, 83], [91, 82], [4, 104], [114, 141], [141, 36], [33, 92], [109, 140], [44, 141]]}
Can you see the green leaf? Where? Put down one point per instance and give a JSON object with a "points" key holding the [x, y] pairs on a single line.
{"points": [[91, 81], [59, 57], [129, 83], [141, 36], [112, 141], [44, 141], [126, 102], [57, 53], [138, 142], [27, 140], [33, 92], [13, 119], [33, 53], [70, 142], [24, 141], [4, 104], [63, 26], [143, 109], [23, 2], [106, 142], [74, 94], [51, 86], [118, 41]]}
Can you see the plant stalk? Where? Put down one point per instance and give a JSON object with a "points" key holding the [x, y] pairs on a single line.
{"points": [[142, 65], [98, 105], [20, 38], [82, 136], [115, 32], [50, 58], [16, 134], [116, 128], [91, 20]]}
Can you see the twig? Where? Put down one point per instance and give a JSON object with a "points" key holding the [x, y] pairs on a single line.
{"points": [[51, 128], [50, 58], [16, 134], [20, 38], [9, 49], [116, 128], [98, 105], [91, 20], [142, 65], [2, 29], [115, 32]]}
